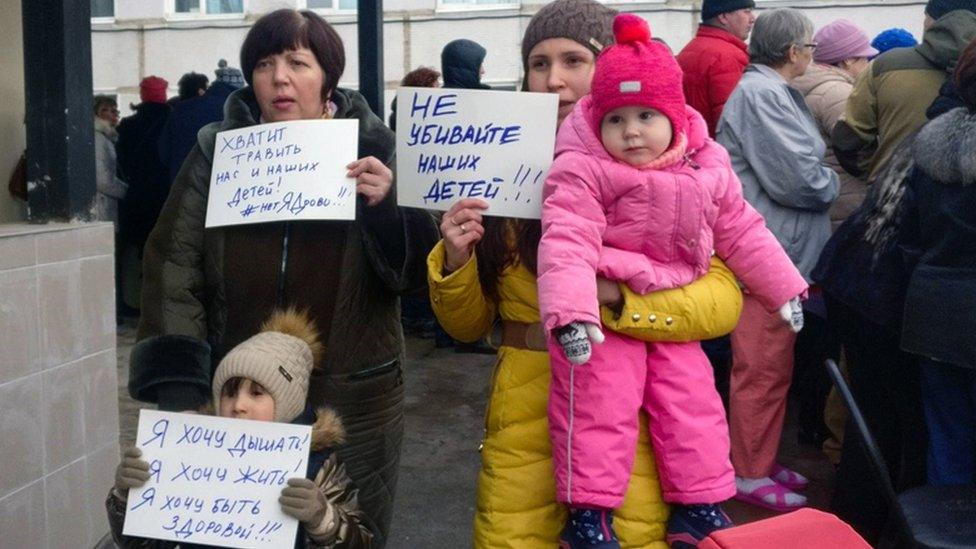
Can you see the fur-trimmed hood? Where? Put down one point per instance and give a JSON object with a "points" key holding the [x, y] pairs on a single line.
{"points": [[945, 148]]}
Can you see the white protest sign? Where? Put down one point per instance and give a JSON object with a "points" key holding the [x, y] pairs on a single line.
{"points": [[216, 480], [492, 145], [283, 171]]}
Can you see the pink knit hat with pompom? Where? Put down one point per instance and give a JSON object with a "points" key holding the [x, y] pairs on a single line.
{"points": [[637, 71]]}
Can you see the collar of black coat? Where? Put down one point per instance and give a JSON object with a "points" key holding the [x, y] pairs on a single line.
{"points": [[945, 148], [241, 110]]}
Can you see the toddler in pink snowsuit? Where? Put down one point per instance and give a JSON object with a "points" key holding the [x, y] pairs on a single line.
{"points": [[639, 193]]}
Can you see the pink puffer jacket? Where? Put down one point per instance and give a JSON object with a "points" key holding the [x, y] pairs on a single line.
{"points": [[653, 228]]}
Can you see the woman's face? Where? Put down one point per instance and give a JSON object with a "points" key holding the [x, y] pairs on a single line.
{"points": [[802, 56], [563, 66], [288, 86]]}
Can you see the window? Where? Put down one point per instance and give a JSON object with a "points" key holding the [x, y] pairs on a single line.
{"points": [[476, 4], [102, 9], [209, 7], [330, 5]]}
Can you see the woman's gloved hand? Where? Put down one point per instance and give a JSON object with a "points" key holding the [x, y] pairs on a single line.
{"points": [[132, 472], [303, 500], [576, 339], [792, 313]]}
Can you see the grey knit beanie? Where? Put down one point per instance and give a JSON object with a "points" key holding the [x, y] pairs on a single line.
{"points": [[229, 75], [281, 358], [584, 21]]}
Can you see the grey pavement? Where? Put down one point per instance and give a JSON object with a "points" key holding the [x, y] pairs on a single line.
{"points": [[445, 402]]}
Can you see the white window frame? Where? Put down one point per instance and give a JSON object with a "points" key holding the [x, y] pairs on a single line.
{"points": [[109, 19], [171, 12], [303, 5], [472, 6]]}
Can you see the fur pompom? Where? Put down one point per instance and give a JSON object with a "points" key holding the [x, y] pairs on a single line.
{"points": [[297, 324], [327, 431], [628, 27]]}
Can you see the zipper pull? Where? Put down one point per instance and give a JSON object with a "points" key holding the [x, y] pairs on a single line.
{"points": [[691, 162]]}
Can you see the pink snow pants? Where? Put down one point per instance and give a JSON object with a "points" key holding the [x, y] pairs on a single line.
{"points": [[593, 422]]}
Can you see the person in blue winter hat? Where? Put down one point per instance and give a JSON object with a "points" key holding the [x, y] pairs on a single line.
{"points": [[893, 38]]}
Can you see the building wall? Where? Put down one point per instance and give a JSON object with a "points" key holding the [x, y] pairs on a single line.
{"points": [[143, 40], [12, 106], [59, 417]]}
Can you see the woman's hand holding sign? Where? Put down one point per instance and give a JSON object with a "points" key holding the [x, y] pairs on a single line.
{"points": [[461, 228], [373, 179]]}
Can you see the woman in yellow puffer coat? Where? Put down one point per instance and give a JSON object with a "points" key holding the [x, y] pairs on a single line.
{"points": [[483, 270]]}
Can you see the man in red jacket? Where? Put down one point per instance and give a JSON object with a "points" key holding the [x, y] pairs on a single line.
{"points": [[714, 60]]}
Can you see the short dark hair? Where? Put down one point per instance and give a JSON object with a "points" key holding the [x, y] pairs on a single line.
{"points": [[966, 76], [288, 29], [423, 77], [191, 83], [100, 101]]}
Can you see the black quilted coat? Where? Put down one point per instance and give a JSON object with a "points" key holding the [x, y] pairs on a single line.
{"points": [[205, 290]]}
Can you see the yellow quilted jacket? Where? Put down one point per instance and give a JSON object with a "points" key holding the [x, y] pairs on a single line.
{"points": [[516, 486]]}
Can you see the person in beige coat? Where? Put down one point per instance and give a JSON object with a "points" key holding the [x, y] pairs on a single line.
{"points": [[841, 54]]}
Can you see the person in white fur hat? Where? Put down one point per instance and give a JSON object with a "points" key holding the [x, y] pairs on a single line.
{"points": [[265, 378]]}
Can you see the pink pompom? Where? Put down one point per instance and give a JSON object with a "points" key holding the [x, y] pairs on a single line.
{"points": [[628, 27]]}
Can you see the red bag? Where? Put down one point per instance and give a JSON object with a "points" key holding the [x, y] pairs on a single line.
{"points": [[802, 529]]}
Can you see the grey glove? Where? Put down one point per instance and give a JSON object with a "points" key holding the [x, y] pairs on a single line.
{"points": [[132, 471], [575, 339], [303, 500]]}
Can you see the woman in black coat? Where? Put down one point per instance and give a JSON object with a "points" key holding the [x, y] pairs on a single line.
{"points": [[940, 303]]}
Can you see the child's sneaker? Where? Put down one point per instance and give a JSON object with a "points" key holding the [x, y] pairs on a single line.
{"points": [[589, 529], [690, 524]]}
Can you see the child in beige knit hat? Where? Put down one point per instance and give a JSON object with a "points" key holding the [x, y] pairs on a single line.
{"points": [[265, 378]]}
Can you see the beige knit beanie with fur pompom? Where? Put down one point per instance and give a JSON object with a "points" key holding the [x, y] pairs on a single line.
{"points": [[281, 358]]}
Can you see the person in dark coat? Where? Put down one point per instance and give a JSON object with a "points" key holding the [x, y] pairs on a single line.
{"points": [[139, 166], [940, 302], [422, 77], [864, 272], [462, 63], [192, 84], [180, 133], [206, 290], [139, 163]]}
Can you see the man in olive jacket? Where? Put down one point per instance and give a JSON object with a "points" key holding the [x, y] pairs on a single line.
{"points": [[206, 290], [889, 99]]}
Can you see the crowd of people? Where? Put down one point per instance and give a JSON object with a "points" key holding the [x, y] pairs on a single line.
{"points": [[804, 192], [139, 156]]}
